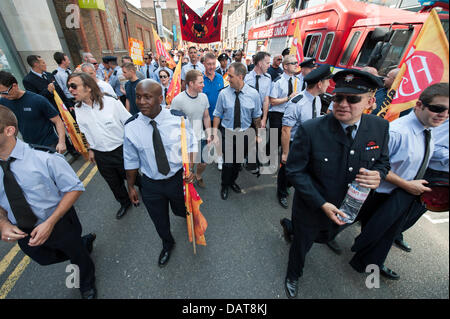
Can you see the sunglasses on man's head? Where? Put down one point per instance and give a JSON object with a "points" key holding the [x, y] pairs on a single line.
{"points": [[7, 91], [351, 99], [435, 108]]}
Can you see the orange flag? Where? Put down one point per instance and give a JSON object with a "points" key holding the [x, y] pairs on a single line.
{"points": [[78, 139], [195, 220], [297, 48], [175, 84], [161, 50], [425, 64]]}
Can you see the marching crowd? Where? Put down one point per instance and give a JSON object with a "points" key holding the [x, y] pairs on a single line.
{"points": [[133, 131]]}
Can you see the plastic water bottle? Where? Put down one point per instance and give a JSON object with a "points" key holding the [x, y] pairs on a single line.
{"points": [[356, 195]]}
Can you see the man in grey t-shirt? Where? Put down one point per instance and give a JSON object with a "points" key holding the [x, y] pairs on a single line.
{"points": [[194, 104]]}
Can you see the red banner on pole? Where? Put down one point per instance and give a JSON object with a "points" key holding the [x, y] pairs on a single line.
{"points": [[204, 29]]}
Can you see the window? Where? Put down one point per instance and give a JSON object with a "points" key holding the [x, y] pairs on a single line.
{"points": [[312, 42], [326, 46], [366, 50], [348, 52], [277, 45], [398, 44]]}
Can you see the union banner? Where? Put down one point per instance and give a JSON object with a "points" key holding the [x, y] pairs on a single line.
{"points": [[425, 64], [204, 29]]}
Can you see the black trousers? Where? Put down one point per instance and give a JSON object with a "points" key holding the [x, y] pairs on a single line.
{"points": [[282, 181], [64, 243], [383, 218], [111, 167], [157, 195], [276, 121], [230, 171]]}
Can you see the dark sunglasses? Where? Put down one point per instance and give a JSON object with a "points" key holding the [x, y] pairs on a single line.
{"points": [[292, 63], [351, 99], [95, 63], [145, 58], [7, 91], [435, 108], [279, 59], [163, 76], [72, 86]]}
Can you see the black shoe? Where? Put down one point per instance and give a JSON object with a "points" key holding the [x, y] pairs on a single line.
{"points": [[283, 202], [224, 192], [403, 245], [286, 234], [122, 211], [88, 241], [164, 258], [291, 287], [388, 273], [235, 187], [89, 294], [334, 246]]}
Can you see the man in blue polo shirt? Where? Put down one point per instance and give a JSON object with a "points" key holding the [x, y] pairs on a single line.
{"points": [[213, 82], [37, 117]]}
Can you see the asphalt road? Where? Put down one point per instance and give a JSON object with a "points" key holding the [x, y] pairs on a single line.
{"points": [[245, 257]]}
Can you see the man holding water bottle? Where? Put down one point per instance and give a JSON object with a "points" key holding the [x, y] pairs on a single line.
{"points": [[329, 153]]}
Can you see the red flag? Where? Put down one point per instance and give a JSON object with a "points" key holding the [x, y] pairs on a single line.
{"points": [[204, 29]]}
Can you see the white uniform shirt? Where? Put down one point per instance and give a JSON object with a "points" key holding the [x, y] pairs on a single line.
{"points": [[103, 128]]}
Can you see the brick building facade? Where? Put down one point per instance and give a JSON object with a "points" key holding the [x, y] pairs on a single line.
{"points": [[105, 32]]}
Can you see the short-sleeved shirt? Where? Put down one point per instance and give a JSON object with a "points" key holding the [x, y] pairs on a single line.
{"points": [[280, 89], [193, 108], [299, 109], [114, 80], [33, 113], [106, 87], [440, 158], [274, 73], [138, 151], [189, 67], [103, 128], [406, 149], [212, 89], [130, 89], [264, 83], [250, 103], [44, 178]]}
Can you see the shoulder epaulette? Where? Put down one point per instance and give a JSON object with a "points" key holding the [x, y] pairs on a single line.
{"points": [[110, 95], [135, 116], [177, 113], [115, 72], [43, 148], [277, 78], [297, 98], [267, 75], [224, 88]]}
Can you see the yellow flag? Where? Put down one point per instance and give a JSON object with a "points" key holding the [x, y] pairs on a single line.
{"points": [[161, 50], [296, 47], [78, 139], [175, 84], [425, 64]]}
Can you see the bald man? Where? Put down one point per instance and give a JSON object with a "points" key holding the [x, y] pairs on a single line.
{"points": [[159, 160], [381, 94]]}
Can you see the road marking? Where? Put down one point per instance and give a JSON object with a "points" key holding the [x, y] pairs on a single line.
{"points": [[15, 275], [90, 176], [4, 264], [83, 168], [436, 221]]}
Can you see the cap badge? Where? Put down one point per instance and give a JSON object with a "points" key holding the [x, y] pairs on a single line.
{"points": [[349, 78]]}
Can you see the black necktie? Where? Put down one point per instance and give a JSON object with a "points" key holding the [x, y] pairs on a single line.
{"points": [[160, 153], [423, 166], [148, 71], [257, 83], [290, 89], [303, 85], [349, 130], [19, 206], [237, 111], [314, 109], [194, 66], [165, 95]]}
